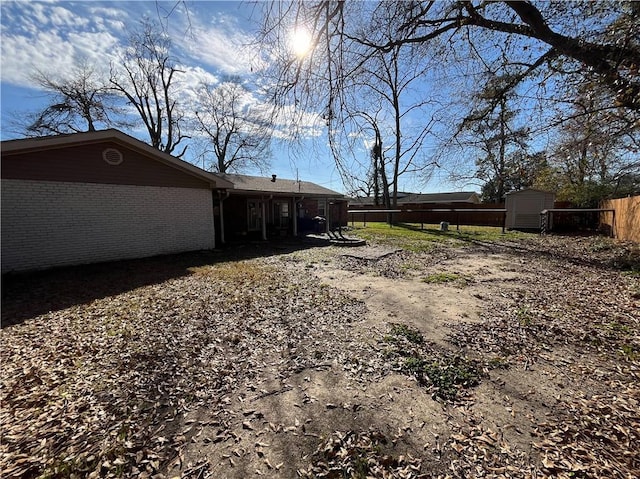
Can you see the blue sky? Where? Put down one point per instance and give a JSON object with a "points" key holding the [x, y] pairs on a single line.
{"points": [[211, 39]]}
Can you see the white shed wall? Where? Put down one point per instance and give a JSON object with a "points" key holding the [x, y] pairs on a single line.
{"points": [[524, 207], [46, 224]]}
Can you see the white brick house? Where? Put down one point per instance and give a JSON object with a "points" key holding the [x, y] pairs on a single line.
{"points": [[100, 196]]}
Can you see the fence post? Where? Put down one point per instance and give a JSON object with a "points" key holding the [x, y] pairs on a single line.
{"points": [[543, 222], [613, 223]]}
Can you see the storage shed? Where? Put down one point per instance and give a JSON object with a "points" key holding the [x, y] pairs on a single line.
{"points": [[100, 196], [524, 207]]}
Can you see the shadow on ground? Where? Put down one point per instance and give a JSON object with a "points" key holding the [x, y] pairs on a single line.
{"points": [[26, 295], [627, 259]]}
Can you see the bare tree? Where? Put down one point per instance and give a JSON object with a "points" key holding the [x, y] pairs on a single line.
{"points": [[368, 177], [146, 78], [236, 126], [390, 85], [610, 54], [391, 81], [370, 97], [548, 49], [80, 101]]}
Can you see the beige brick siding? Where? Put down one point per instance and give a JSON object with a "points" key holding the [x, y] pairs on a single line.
{"points": [[47, 224]]}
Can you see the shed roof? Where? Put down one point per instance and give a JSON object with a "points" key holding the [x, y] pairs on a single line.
{"points": [[262, 184], [452, 197], [528, 190], [24, 145]]}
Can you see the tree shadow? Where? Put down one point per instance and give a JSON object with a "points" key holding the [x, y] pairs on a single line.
{"points": [[628, 262], [413, 227], [27, 295]]}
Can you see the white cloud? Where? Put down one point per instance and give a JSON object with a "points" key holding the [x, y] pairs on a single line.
{"points": [[52, 39], [97, 48], [188, 83], [106, 18], [59, 17], [48, 51], [22, 56], [18, 19], [104, 12], [55, 38], [290, 122], [221, 44], [38, 12]]}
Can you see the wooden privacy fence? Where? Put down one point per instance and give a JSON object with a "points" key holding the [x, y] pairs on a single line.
{"points": [[625, 224], [463, 214]]}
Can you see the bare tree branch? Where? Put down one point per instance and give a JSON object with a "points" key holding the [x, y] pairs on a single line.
{"points": [[236, 127], [145, 77]]}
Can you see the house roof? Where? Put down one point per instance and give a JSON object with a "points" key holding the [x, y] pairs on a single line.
{"points": [[407, 198], [453, 197], [25, 145], [262, 184]]}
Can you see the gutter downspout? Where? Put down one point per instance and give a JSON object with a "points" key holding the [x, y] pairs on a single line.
{"points": [[328, 215], [213, 190], [221, 200]]}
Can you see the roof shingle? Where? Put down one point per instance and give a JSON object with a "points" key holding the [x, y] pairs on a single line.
{"points": [[261, 184], [416, 198]]}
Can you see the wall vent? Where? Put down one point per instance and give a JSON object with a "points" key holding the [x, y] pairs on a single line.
{"points": [[112, 156]]}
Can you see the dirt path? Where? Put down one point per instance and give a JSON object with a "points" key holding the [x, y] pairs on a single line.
{"points": [[293, 417], [407, 298], [499, 420]]}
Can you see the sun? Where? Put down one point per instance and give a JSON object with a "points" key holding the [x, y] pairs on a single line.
{"points": [[300, 42]]}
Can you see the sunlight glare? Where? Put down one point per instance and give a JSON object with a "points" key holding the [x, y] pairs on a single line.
{"points": [[300, 42]]}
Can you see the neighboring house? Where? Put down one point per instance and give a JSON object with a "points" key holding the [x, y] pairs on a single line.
{"points": [[524, 207], [425, 199], [260, 208], [100, 196]]}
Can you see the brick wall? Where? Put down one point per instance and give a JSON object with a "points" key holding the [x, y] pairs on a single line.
{"points": [[47, 224]]}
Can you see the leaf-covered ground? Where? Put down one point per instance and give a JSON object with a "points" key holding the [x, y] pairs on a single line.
{"points": [[289, 362]]}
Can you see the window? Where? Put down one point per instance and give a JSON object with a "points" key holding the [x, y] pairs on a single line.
{"points": [[322, 208]]}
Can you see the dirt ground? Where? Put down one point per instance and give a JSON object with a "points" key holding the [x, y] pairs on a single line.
{"points": [[511, 359]]}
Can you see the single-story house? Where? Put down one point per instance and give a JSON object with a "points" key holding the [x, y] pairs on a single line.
{"points": [[415, 200], [104, 195], [261, 207], [100, 196]]}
